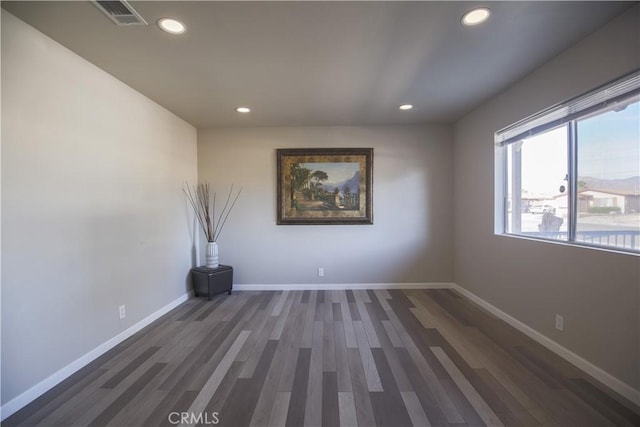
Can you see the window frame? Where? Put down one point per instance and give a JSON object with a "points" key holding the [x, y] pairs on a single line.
{"points": [[566, 113]]}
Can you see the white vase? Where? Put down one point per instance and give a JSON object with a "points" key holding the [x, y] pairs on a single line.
{"points": [[211, 257]]}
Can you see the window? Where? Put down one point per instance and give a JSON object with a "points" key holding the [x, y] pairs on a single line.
{"points": [[572, 172]]}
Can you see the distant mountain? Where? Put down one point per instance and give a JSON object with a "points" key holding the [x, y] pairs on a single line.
{"points": [[628, 186], [353, 183]]}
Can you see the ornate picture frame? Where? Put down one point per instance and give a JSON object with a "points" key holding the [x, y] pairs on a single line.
{"points": [[324, 186]]}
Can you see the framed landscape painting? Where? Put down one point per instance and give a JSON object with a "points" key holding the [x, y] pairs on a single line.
{"points": [[325, 186]]}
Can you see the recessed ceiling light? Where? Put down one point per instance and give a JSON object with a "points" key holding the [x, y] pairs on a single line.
{"points": [[406, 107], [243, 109], [171, 26], [476, 16]]}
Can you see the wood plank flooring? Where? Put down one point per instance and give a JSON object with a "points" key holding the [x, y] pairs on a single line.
{"points": [[329, 358]]}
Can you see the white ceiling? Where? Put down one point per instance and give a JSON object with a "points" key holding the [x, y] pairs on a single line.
{"points": [[320, 63]]}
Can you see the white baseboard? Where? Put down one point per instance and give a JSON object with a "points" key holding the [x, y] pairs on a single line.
{"points": [[599, 374], [340, 286], [48, 383]]}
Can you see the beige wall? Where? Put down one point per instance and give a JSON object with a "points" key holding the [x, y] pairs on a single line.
{"points": [[597, 292], [410, 240], [92, 210]]}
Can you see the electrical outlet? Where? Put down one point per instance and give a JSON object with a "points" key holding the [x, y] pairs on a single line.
{"points": [[123, 314], [320, 272], [559, 322]]}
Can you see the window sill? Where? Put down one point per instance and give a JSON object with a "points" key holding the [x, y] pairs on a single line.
{"points": [[572, 244]]}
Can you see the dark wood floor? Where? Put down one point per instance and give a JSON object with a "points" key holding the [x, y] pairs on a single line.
{"points": [[334, 358]]}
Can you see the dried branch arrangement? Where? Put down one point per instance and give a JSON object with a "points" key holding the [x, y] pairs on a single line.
{"points": [[204, 206]]}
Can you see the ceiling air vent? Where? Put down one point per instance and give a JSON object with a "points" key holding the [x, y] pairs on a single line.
{"points": [[120, 12]]}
